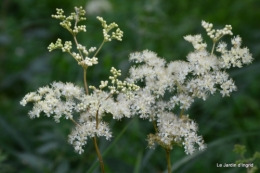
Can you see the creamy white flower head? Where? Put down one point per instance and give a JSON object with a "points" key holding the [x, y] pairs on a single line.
{"points": [[237, 56], [222, 47], [201, 75], [174, 129], [236, 41], [59, 99], [86, 130], [65, 99], [196, 41]]}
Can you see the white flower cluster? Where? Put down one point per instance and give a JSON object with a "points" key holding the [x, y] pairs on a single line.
{"points": [[59, 99], [201, 75], [196, 41], [99, 103], [235, 57], [166, 86], [149, 103], [78, 137], [173, 129], [67, 99]]}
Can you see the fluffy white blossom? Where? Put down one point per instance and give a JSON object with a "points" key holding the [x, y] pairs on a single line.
{"points": [[196, 41], [59, 99], [179, 129], [78, 137], [172, 85], [166, 87], [64, 100]]}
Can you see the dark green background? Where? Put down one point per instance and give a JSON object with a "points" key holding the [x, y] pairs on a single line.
{"points": [[40, 145]]}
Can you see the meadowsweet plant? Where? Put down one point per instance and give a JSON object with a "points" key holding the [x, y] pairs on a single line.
{"points": [[170, 88], [65, 99]]}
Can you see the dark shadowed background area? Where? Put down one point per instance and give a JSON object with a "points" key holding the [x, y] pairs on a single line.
{"points": [[40, 145]]}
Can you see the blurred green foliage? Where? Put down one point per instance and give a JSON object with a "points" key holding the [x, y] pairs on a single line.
{"points": [[40, 145]]}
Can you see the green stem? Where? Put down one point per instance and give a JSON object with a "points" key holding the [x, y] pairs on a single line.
{"points": [[182, 111], [75, 39], [155, 127], [74, 121], [213, 47], [97, 121], [85, 80], [99, 155], [94, 138], [168, 158], [99, 48]]}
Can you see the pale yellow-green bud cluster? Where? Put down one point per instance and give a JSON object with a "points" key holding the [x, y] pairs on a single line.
{"points": [[92, 49], [59, 14], [88, 62], [57, 45], [215, 35], [77, 29], [77, 56], [82, 57], [67, 46], [106, 28], [103, 84], [117, 85], [83, 49], [120, 85], [79, 15], [66, 20], [115, 73]]}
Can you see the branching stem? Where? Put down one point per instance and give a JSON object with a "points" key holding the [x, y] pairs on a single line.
{"points": [[102, 167], [74, 121]]}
